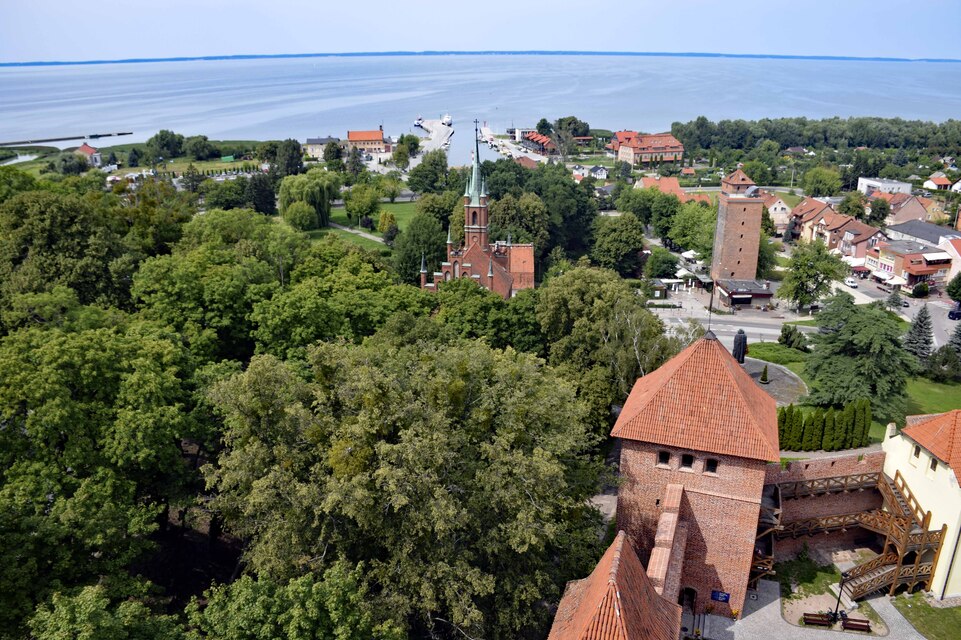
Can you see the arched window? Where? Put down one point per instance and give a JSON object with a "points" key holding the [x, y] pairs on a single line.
{"points": [[456, 269], [446, 276], [473, 218]]}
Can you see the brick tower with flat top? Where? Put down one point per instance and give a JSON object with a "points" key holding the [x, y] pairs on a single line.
{"points": [[737, 235]]}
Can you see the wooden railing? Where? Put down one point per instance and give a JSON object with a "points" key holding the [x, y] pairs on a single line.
{"points": [[871, 565], [760, 566], [914, 506], [836, 484], [892, 575]]}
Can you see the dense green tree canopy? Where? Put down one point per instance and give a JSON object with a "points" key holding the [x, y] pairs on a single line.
{"points": [[618, 243], [821, 181], [811, 274], [425, 239]]}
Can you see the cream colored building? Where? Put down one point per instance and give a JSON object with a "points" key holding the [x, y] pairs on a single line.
{"points": [[927, 454]]}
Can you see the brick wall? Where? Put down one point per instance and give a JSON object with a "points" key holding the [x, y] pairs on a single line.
{"points": [[736, 243], [719, 509], [793, 509], [840, 465], [788, 548]]}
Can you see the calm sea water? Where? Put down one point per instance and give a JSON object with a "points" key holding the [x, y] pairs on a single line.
{"points": [[307, 97]]}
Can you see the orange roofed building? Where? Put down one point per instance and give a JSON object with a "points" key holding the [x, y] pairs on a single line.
{"points": [[368, 141], [503, 267], [616, 602], [671, 185], [650, 149], [696, 437]]}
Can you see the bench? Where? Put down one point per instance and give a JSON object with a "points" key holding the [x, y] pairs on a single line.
{"points": [[855, 624], [818, 619]]}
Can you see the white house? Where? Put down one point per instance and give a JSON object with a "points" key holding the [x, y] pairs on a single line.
{"points": [[927, 456], [600, 173], [957, 187], [937, 182], [867, 186]]}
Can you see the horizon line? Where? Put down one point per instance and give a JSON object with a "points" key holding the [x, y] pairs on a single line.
{"points": [[535, 52]]}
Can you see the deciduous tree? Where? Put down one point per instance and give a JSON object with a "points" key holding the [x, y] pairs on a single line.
{"points": [[811, 273]]}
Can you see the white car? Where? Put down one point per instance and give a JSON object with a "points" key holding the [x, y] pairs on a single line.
{"points": [[851, 282]]}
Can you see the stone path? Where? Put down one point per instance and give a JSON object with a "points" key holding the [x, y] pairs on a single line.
{"points": [[362, 234], [763, 621]]}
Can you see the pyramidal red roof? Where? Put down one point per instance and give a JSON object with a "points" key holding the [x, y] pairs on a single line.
{"points": [[702, 400], [940, 434], [616, 602], [738, 177]]}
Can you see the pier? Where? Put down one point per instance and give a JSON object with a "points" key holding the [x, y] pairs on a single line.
{"points": [[439, 134]]}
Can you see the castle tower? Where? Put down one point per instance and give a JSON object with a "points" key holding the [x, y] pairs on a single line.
{"points": [[696, 437], [738, 231], [475, 203]]}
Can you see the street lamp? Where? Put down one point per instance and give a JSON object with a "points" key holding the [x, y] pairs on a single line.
{"points": [[844, 576]]}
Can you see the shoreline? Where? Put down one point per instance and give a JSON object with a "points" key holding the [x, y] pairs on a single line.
{"points": [[370, 54]]}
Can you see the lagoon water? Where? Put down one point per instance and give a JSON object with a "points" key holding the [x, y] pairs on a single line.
{"points": [[319, 96]]}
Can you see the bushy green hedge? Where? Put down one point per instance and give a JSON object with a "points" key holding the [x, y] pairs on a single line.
{"points": [[830, 430], [775, 352]]}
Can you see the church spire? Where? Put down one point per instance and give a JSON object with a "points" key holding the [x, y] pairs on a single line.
{"points": [[476, 186]]}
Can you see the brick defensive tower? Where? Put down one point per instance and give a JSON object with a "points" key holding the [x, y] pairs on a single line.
{"points": [[738, 231], [697, 435]]}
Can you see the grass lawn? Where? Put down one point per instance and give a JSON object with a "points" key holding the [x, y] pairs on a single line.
{"points": [[403, 213], [347, 236], [925, 396], [933, 624], [781, 261], [809, 577], [775, 352], [789, 200]]}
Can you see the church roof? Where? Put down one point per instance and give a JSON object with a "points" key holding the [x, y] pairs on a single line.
{"points": [[940, 434], [616, 602], [476, 185], [701, 399]]}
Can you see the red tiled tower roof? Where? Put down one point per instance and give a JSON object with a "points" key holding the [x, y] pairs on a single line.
{"points": [[939, 433], [702, 400], [616, 602], [738, 177]]}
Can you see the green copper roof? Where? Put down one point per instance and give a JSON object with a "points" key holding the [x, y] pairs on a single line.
{"points": [[475, 186]]}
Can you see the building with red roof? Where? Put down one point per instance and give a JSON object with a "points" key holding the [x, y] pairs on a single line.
{"points": [[90, 154], [651, 149], [619, 138], [938, 182], [372, 141], [696, 436], [539, 143], [526, 162], [616, 602], [503, 267], [666, 184], [926, 455]]}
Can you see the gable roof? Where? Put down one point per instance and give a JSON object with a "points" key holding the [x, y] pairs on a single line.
{"points": [[526, 162], [738, 177], [86, 149], [941, 180], [940, 434], [925, 231], [701, 399], [366, 136], [860, 230], [808, 209], [654, 143], [616, 602]]}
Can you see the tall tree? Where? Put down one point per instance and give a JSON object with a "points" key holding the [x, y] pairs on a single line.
{"points": [[858, 354], [430, 176], [954, 288], [423, 238], [880, 210], [317, 187], [919, 340], [90, 614], [260, 194], [821, 181], [811, 274], [618, 243]]}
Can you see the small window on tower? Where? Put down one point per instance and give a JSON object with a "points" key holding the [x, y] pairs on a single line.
{"points": [[687, 461], [710, 465], [663, 457], [934, 463], [917, 451]]}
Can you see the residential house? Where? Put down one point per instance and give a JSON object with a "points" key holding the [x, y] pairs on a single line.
{"points": [[905, 263], [368, 141], [314, 147], [671, 185], [922, 232], [688, 172], [926, 455], [867, 186], [598, 172], [583, 141], [800, 226], [539, 143], [935, 209], [526, 162], [651, 149], [856, 238], [798, 151], [579, 170], [90, 154], [904, 207], [779, 211], [952, 247], [938, 182], [956, 187]]}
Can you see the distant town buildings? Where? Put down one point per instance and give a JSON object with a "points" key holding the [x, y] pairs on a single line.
{"points": [[502, 267], [903, 263], [539, 143], [904, 207], [668, 184], [648, 149], [938, 182], [314, 147]]}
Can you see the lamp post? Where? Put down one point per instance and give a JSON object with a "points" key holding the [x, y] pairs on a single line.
{"points": [[844, 576]]}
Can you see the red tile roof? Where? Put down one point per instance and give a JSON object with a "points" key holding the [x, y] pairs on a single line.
{"points": [[366, 136], [940, 434], [687, 171], [526, 162], [616, 602], [738, 177], [808, 209], [657, 142], [702, 400], [941, 181], [666, 184], [86, 149]]}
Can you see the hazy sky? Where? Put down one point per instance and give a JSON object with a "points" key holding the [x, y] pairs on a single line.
{"points": [[110, 29]]}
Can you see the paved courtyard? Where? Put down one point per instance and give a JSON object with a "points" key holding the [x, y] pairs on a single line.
{"points": [[762, 620]]}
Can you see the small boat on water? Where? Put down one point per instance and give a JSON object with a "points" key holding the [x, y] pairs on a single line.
{"points": [[447, 120]]}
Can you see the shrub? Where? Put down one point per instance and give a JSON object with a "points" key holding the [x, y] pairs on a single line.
{"points": [[301, 216], [920, 290], [775, 353], [764, 379], [386, 221], [366, 222], [390, 235]]}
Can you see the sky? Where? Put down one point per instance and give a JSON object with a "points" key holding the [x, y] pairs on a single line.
{"points": [[68, 30]]}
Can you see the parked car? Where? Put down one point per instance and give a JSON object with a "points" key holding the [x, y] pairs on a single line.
{"points": [[955, 314], [851, 282]]}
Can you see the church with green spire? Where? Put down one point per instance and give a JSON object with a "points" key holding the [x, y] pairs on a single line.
{"points": [[503, 266]]}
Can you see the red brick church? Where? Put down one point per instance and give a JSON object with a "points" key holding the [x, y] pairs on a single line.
{"points": [[502, 267]]}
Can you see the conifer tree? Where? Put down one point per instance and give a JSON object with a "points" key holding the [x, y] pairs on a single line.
{"points": [[955, 341], [919, 340], [817, 430], [797, 430], [827, 436], [850, 439], [806, 437], [859, 430], [866, 437], [781, 417]]}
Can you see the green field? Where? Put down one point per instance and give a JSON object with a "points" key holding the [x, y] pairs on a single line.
{"points": [[789, 200], [933, 624], [360, 241], [403, 213]]}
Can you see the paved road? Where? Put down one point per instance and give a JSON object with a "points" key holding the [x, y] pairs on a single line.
{"points": [[868, 291]]}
